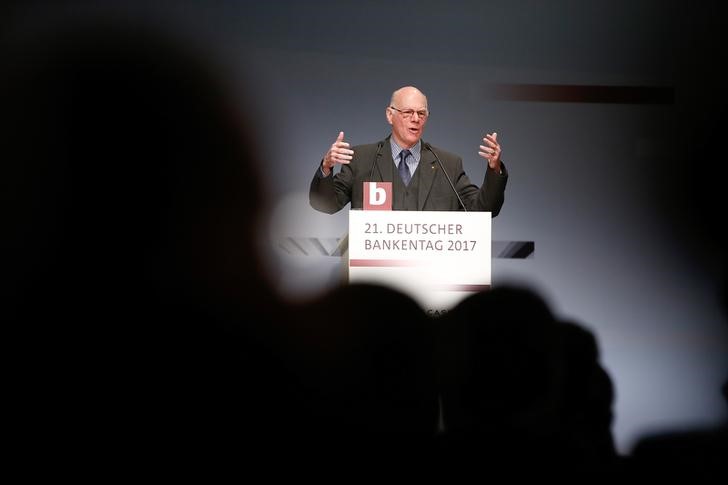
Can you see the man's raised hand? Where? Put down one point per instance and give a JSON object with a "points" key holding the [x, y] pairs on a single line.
{"points": [[338, 153], [491, 151]]}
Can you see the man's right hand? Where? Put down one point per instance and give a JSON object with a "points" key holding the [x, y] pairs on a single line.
{"points": [[338, 153]]}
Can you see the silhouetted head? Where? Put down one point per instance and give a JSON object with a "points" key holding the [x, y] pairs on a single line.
{"points": [[133, 200], [368, 354], [502, 366], [528, 383], [127, 164], [588, 395]]}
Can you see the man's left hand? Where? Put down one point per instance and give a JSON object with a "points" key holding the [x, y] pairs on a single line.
{"points": [[491, 151]]}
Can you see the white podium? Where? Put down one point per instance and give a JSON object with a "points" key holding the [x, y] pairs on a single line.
{"points": [[436, 257]]}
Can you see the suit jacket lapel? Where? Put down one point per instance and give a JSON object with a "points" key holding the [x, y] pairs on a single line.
{"points": [[427, 175]]}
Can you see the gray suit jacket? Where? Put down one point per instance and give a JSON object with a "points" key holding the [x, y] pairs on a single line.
{"points": [[330, 194]]}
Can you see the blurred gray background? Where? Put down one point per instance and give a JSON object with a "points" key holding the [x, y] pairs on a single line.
{"points": [[616, 182]]}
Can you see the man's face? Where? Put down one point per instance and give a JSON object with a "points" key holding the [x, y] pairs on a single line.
{"points": [[407, 131]]}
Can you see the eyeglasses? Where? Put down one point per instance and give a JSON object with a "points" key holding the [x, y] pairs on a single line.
{"points": [[409, 113]]}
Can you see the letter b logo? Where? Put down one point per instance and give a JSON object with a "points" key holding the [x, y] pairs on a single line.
{"points": [[378, 196]]}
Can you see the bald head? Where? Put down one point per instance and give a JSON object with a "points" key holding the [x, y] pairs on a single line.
{"points": [[407, 93]]}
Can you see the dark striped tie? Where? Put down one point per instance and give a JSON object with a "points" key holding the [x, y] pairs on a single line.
{"points": [[403, 168]]}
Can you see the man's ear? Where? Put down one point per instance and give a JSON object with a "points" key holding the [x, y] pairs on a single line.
{"points": [[388, 114]]}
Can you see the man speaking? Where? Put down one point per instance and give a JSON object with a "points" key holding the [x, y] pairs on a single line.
{"points": [[423, 177]]}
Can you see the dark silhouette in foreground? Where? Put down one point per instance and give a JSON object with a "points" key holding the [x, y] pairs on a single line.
{"points": [[367, 364], [142, 321], [522, 390]]}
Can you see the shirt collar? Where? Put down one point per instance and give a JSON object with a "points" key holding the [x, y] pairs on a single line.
{"points": [[415, 150]]}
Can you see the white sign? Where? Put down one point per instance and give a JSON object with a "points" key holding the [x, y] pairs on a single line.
{"points": [[437, 257]]}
